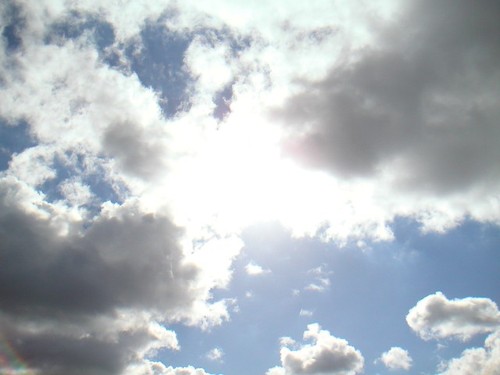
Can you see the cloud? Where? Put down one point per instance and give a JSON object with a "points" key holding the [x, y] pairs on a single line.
{"points": [[215, 355], [476, 361], [79, 300], [414, 111], [254, 269], [304, 312], [158, 368], [327, 355], [396, 359], [321, 282], [436, 317]]}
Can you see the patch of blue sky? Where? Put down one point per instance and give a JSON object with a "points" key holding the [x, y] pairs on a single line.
{"points": [[12, 31], [370, 294], [158, 61], [76, 24], [15, 138]]}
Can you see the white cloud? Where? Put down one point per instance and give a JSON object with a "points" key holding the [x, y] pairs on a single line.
{"points": [[253, 269], [304, 312], [476, 361], [215, 355], [326, 355], [436, 317], [158, 368], [396, 359]]}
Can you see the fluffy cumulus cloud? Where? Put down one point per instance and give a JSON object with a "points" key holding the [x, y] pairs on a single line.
{"points": [[396, 359], [326, 355], [476, 361], [437, 317]]}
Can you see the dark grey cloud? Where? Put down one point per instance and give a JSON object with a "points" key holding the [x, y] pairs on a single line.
{"points": [[422, 101], [59, 354], [88, 301], [119, 262]]}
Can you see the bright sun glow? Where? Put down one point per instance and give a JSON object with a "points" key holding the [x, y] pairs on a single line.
{"points": [[240, 177], [243, 179]]}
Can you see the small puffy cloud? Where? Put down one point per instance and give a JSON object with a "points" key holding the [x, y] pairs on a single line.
{"points": [[436, 317], [476, 361], [326, 355], [254, 269], [396, 359], [215, 355]]}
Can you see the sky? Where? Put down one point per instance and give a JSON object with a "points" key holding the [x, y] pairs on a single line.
{"points": [[249, 188]]}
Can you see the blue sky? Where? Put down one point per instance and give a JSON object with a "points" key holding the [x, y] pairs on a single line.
{"points": [[281, 188]]}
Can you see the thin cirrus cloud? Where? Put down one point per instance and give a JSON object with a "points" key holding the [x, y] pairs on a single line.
{"points": [[142, 139]]}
